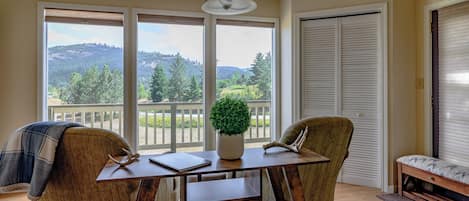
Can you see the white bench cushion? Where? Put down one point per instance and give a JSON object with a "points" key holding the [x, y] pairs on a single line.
{"points": [[437, 167]]}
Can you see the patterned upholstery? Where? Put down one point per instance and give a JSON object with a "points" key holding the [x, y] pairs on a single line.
{"points": [[437, 167], [80, 156], [328, 136]]}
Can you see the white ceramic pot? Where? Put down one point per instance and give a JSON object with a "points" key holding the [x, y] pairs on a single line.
{"points": [[230, 147]]}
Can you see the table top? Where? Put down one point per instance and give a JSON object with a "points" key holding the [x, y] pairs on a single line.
{"points": [[254, 158]]}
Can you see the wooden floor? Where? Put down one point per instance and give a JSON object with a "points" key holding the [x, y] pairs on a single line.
{"points": [[343, 192], [347, 192]]}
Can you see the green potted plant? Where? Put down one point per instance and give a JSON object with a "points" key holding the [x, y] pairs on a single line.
{"points": [[231, 118]]}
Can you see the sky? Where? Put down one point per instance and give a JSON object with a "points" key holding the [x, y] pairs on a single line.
{"points": [[236, 46]]}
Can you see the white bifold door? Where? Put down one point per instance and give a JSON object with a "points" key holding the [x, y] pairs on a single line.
{"points": [[342, 75]]}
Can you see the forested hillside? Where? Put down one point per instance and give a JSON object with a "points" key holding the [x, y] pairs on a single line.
{"points": [[64, 60]]}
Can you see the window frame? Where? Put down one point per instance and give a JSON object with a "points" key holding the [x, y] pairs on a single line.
{"points": [[275, 105], [130, 48], [427, 82]]}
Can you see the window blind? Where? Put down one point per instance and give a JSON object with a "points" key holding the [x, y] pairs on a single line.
{"points": [[245, 23], [166, 19], [453, 83], [84, 17]]}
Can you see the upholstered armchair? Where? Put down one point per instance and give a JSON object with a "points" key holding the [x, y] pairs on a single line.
{"points": [[328, 136], [80, 156]]}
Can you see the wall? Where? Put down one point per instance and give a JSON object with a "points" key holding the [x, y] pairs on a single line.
{"points": [[286, 74], [401, 70], [17, 65], [18, 50]]}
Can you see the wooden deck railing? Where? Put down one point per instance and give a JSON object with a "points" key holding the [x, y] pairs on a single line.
{"points": [[162, 125]]}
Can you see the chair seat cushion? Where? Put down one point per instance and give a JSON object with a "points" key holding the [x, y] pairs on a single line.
{"points": [[438, 167]]}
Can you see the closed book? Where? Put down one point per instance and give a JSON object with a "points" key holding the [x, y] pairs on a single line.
{"points": [[180, 162]]}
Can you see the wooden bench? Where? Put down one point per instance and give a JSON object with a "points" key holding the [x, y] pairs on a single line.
{"points": [[434, 171]]}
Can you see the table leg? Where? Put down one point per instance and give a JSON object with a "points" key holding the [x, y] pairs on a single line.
{"points": [[294, 183], [183, 188], [148, 189], [275, 175]]}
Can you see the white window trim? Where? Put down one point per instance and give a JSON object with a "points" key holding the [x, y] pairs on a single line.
{"points": [[427, 68], [383, 58], [130, 61]]}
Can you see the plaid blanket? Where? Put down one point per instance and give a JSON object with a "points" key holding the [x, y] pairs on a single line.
{"points": [[27, 158]]}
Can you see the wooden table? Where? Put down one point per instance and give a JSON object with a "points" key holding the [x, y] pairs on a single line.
{"points": [[279, 164]]}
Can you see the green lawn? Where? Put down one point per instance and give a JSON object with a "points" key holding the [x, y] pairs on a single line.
{"points": [[186, 123]]}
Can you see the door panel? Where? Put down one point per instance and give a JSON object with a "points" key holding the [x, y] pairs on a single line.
{"points": [[340, 70]]}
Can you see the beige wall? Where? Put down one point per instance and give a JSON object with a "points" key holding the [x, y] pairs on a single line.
{"points": [[401, 70], [17, 64], [18, 50]]}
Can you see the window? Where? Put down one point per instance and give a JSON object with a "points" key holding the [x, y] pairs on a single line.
{"points": [[244, 70], [450, 28], [85, 67], [161, 75], [170, 83]]}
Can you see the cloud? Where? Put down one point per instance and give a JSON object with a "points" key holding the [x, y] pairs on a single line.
{"points": [[68, 34], [171, 39], [236, 46]]}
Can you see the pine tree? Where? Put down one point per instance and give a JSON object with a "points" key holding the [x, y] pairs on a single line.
{"points": [[177, 85], [256, 68], [94, 86], [194, 92], [262, 74], [158, 84]]}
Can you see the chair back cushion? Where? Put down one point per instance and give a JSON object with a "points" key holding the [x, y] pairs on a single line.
{"points": [[80, 156], [330, 137]]}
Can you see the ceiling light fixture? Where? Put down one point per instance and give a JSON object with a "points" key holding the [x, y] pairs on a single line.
{"points": [[228, 7]]}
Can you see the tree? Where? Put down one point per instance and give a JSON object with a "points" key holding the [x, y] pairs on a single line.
{"points": [[262, 74], [158, 84], [194, 92], [94, 87], [142, 92], [109, 87], [177, 84]]}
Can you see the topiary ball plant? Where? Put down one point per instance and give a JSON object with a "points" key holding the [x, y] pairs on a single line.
{"points": [[230, 116]]}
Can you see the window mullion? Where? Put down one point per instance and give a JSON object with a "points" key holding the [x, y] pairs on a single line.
{"points": [[130, 80], [210, 80]]}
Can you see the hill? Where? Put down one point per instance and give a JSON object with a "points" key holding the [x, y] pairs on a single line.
{"points": [[64, 60]]}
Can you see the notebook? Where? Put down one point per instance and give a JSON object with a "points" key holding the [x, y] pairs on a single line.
{"points": [[180, 162]]}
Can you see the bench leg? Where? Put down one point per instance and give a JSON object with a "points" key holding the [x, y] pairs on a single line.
{"points": [[399, 178]]}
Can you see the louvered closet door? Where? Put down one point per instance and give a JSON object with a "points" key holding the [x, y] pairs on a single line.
{"points": [[453, 26], [339, 76], [360, 102], [319, 68]]}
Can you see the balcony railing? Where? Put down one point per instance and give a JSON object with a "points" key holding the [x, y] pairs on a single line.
{"points": [[162, 125]]}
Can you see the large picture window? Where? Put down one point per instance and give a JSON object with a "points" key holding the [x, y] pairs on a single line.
{"points": [[150, 76], [244, 70], [170, 71], [85, 68]]}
